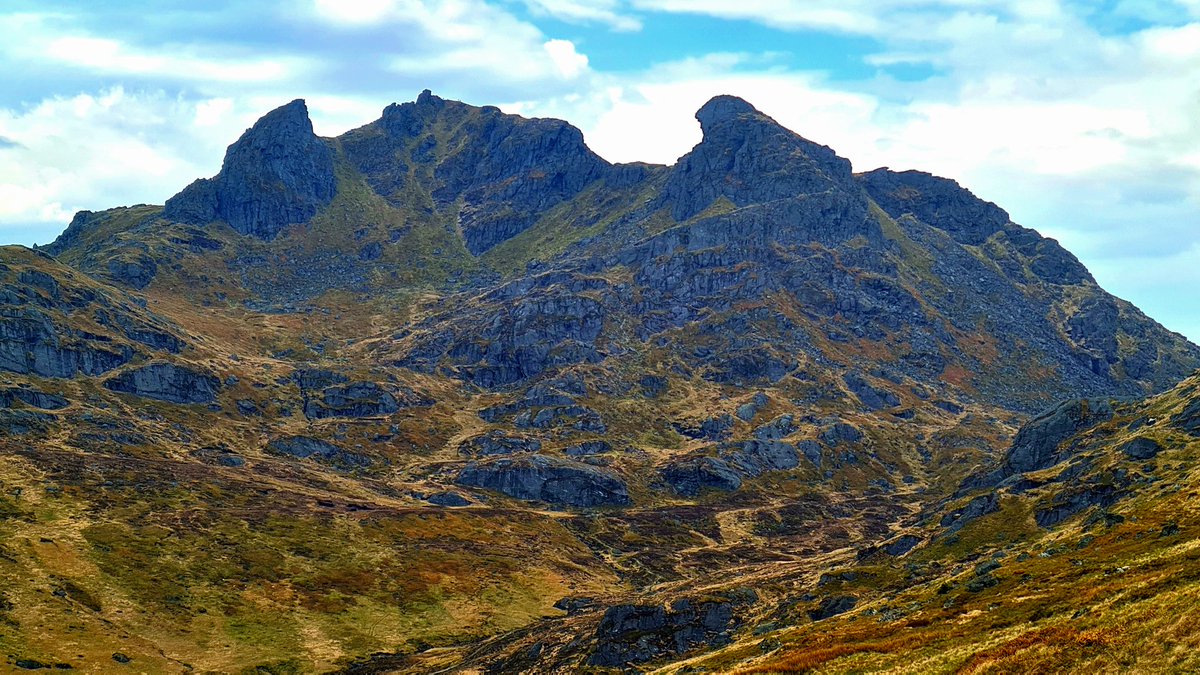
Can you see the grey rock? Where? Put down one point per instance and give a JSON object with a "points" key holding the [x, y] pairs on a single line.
{"points": [[873, 398], [778, 428], [833, 606], [1076, 500], [588, 448], [688, 477], [755, 456], [355, 399], [277, 174], [501, 172], [306, 447], [21, 422], [37, 399], [166, 382], [712, 429], [32, 343], [449, 499], [747, 158], [548, 479], [841, 432], [629, 634], [1037, 444], [137, 271], [976, 508], [1142, 448], [498, 443], [901, 545]]}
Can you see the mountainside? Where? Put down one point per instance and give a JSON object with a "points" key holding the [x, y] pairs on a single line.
{"points": [[453, 381]]}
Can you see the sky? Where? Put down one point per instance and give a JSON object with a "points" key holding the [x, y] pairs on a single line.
{"points": [[1080, 118]]}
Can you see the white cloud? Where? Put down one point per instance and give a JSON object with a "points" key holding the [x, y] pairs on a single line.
{"points": [[568, 62], [111, 148], [585, 12]]}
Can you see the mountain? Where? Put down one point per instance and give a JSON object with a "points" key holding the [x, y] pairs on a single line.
{"points": [[453, 390]]}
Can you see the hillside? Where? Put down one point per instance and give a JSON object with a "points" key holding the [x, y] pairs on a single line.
{"points": [[453, 389]]}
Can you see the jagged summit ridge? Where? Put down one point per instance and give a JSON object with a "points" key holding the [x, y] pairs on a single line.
{"points": [[278, 173]]}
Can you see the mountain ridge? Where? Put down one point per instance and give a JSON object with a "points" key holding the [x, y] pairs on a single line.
{"points": [[453, 364]]}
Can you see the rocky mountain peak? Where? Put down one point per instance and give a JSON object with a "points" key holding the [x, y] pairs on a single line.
{"points": [[749, 158], [723, 109], [277, 174]]}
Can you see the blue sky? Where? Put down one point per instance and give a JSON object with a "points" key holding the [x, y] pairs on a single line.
{"points": [[1082, 119]]}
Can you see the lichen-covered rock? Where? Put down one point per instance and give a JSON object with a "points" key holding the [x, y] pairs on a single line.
{"points": [[166, 382], [548, 479], [277, 174]]}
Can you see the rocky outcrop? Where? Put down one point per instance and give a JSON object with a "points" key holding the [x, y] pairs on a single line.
{"points": [[1037, 444], [833, 606], [166, 382], [277, 174], [978, 507], [755, 456], [629, 634], [689, 477], [32, 397], [498, 443], [939, 202], [328, 394], [360, 399], [32, 343], [136, 271], [1142, 448], [306, 447], [548, 479], [870, 396]]}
